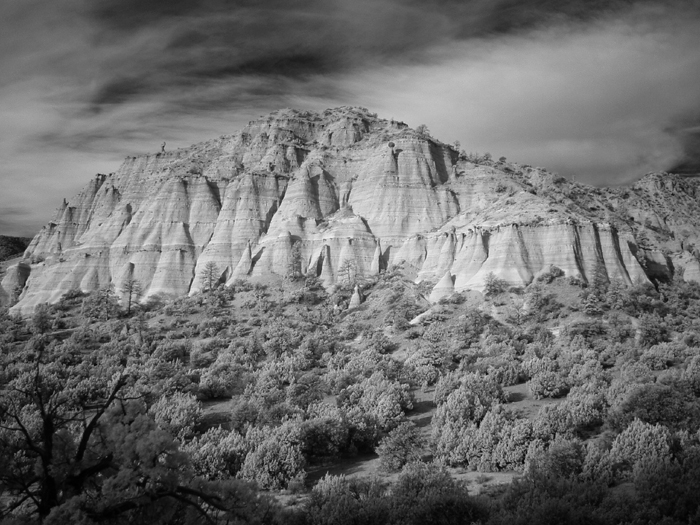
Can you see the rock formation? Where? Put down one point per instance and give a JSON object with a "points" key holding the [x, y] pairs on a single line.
{"points": [[345, 194], [356, 299]]}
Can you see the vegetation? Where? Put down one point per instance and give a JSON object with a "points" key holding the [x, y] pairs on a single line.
{"points": [[12, 246], [210, 276], [232, 405], [131, 290]]}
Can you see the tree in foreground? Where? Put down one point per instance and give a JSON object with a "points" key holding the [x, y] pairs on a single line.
{"points": [[78, 445]]}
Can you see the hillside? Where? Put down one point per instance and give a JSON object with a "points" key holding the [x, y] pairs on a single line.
{"points": [[293, 404], [12, 246], [344, 191]]}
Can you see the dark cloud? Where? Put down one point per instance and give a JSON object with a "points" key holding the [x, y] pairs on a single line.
{"points": [[187, 41], [689, 163], [117, 91], [604, 89]]}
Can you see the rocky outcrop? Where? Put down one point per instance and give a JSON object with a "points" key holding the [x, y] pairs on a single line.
{"points": [[356, 299], [444, 288], [341, 195]]}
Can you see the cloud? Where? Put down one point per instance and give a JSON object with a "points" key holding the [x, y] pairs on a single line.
{"points": [[598, 89], [600, 102]]}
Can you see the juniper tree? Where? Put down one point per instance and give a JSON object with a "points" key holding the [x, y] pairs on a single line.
{"points": [[41, 320], [132, 291], [494, 285], [347, 273], [294, 262], [422, 129], [78, 444], [210, 275]]}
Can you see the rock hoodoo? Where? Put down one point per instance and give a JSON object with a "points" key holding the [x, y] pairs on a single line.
{"points": [[350, 194]]}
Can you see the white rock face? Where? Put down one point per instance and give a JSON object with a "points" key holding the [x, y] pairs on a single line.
{"points": [[326, 189], [444, 288]]}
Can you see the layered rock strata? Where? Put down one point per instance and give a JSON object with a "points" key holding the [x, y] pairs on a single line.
{"points": [[341, 195]]}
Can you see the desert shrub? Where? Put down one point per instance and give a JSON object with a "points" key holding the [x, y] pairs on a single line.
{"points": [[586, 405], [280, 338], [177, 414], [100, 305], [170, 350], [218, 381], [456, 298], [375, 404], [401, 446], [276, 459], [402, 312], [563, 458], [657, 357], [672, 404], [425, 364], [498, 442], [348, 367], [619, 328], [342, 501], [472, 325], [597, 466], [541, 305], [70, 299], [667, 490], [326, 436], [351, 330], [446, 384], [425, 493], [268, 384], [551, 274], [218, 453], [212, 326], [381, 343], [494, 285], [691, 375], [11, 326], [550, 421], [163, 378], [201, 356], [304, 390], [641, 442], [532, 365], [471, 398], [505, 372], [652, 330], [435, 333], [586, 372], [245, 413], [548, 383], [319, 343], [691, 339]]}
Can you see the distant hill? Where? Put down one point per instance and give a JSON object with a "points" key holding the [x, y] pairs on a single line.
{"points": [[12, 246]]}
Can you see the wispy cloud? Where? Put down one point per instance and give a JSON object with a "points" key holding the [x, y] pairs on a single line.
{"points": [[603, 102], [599, 89]]}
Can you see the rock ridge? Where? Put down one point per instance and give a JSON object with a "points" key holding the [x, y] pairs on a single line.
{"points": [[349, 194]]}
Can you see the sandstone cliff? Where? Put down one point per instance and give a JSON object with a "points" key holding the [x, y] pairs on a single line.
{"points": [[352, 194]]}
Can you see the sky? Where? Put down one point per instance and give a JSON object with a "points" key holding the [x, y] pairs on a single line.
{"points": [[602, 91]]}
